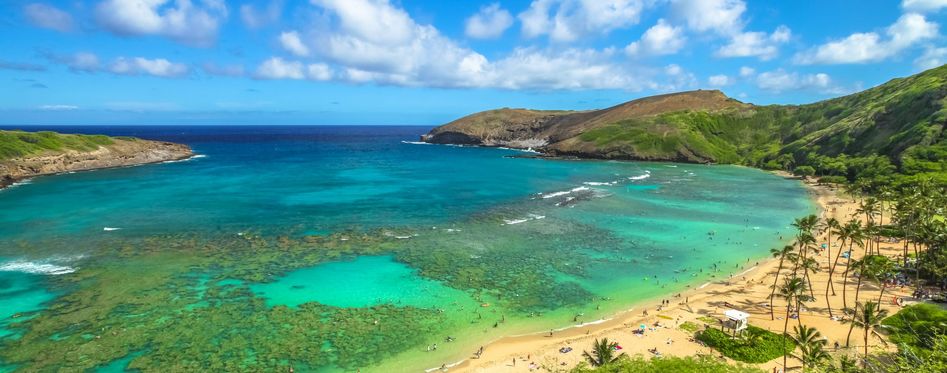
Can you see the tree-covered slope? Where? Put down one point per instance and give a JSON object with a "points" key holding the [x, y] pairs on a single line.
{"points": [[900, 122]]}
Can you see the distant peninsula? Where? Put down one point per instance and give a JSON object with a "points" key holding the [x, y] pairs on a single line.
{"points": [[27, 154], [902, 120]]}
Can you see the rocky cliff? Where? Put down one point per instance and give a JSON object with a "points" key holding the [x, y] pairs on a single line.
{"points": [[109, 152]]}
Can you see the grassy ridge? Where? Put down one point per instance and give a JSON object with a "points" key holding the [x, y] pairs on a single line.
{"points": [[902, 121], [14, 144]]}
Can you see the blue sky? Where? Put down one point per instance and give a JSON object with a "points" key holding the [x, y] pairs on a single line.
{"points": [[427, 62]]}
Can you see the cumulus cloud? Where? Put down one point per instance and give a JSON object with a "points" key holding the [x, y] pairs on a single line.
{"points": [[142, 66], [278, 68], [780, 80], [291, 42], [719, 80], [756, 44], [50, 17], [568, 20], [923, 5], [932, 57], [374, 41], [720, 16], [181, 20], [675, 79], [77, 63], [256, 18], [490, 22], [746, 71], [660, 39], [866, 47]]}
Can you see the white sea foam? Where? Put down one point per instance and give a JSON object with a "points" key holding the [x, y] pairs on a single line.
{"points": [[643, 176], [109, 229], [35, 268], [515, 221], [416, 142], [600, 183], [565, 192], [193, 157]]}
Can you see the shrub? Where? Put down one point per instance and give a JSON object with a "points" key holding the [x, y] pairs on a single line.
{"points": [[669, 364], [917, 326], [759, 350]]}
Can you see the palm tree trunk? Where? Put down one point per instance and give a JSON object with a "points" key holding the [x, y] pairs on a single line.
{"points": [[850, 328], [882, 294], [772, 312], [866, 342], [827, 302], [835, 264], [845, 281], [785, 329]]}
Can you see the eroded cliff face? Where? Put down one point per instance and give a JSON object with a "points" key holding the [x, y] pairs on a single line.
{"points": [[121, 153]]}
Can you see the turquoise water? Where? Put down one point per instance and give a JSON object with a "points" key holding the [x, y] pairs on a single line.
{"points": [[364, 281], [332, 248]]}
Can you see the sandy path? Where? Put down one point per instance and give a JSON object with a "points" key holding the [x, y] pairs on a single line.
{"points": [[748, 291]]}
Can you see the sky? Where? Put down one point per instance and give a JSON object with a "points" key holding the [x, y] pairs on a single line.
{"points": [[426, 62]]}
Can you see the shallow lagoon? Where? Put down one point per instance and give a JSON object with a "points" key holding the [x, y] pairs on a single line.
{"points": [[284, 246]]}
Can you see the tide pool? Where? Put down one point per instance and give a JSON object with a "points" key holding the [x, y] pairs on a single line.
{"points": [[343, 248]]}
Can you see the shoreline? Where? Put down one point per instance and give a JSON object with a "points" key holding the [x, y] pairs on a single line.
{"points": [[539, 350], [10, 180]]}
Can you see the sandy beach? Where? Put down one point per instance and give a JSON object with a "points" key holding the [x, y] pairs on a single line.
{"points": [[747, 291]]}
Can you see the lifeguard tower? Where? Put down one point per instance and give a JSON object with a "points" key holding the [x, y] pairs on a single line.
{"points": [[736, 321]]}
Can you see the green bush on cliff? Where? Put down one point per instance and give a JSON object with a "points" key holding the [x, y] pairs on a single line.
{"points": [[764, 347], [668, 364]]}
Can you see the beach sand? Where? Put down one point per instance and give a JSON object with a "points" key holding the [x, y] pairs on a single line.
{"points": [[747, 291]]}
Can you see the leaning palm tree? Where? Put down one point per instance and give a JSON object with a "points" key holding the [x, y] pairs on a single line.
{"points": [[603, 353], [809, 265], [811, 345], [792, 290], [842, 233], [782, 254], [868, 316]]}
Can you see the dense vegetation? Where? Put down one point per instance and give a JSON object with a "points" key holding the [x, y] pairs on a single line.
{"points": [[668, 364], [917, 327], [15, 144], [756, 346], [889, 135]]}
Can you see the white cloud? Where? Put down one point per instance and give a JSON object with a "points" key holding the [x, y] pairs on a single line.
{"points": [[490, 22], [142, 66], [346, 44], [58, 107], [660, 39], [291, 42], [910, 29], [78, 62], [719, 80], [923, 5], [45, 16], [256, 18], [720, 16], [746, 71], [568, 20], [779, 81], [755, 44], [278, 68], [182, 21], [932, 57]]}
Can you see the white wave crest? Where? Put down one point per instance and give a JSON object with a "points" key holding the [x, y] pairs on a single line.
{"points": [[36, 268], [643, 176], [565, 192], [600, 183], [416, 142], [109, 229]]}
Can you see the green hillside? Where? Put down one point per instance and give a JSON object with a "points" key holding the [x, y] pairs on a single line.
{"points": [[893, 133], [14, 144]]}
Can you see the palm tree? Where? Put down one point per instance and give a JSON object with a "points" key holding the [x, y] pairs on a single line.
{"points": [[602, 353], [868, 316], [830, 227], [782, 254], [855, 236], [809, 265], [792, 290], [811, 345]]}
